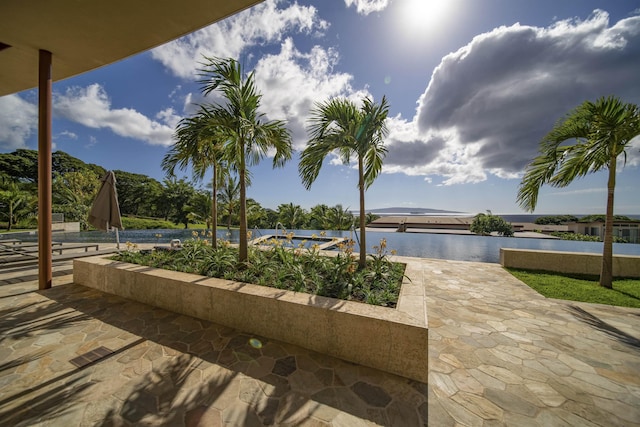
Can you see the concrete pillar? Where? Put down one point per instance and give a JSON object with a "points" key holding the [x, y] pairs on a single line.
{"points": [[44, 171]]}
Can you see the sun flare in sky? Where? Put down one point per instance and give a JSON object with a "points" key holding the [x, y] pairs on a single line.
{"points": [[423, 16]]}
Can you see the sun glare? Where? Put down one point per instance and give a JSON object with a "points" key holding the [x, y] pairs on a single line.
{"points": [[422, 16]]}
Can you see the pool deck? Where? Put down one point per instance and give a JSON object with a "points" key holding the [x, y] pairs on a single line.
{"points": [[499, 354]]}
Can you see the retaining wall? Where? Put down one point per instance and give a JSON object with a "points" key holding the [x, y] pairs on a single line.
{"points": [[568, 262], [388, 339]]}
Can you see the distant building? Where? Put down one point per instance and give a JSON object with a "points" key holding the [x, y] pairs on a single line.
{"points": [[404, 223], [627, 230]]}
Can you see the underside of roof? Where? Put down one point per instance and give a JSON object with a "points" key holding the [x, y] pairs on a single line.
{"points": [[83, 35]]}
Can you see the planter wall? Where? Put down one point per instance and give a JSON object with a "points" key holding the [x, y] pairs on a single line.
{"points": [[392, 340], [568, 262]]}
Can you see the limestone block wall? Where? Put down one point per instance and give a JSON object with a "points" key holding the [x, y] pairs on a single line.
{"points": [[383, 338], [568, 262]]}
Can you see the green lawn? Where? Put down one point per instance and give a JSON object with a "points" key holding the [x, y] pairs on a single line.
{"points": [[625, 292]]}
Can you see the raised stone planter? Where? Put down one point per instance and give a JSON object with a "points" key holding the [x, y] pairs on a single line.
{"points": [[392, 340], [568, 262]]}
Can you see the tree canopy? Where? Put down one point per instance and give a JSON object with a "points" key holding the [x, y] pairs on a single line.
{"points": [[600, 133]]}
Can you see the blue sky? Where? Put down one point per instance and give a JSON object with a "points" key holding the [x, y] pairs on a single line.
{"points": [[472, 86]]}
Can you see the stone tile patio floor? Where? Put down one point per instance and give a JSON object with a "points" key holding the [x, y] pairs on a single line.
{"points": [[500, 354]]}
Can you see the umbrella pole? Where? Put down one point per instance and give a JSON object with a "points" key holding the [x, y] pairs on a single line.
{"points": [[117, 240]]}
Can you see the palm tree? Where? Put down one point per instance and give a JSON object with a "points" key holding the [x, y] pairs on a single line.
{"points": [[318, 217], [197, 142], [230, 199], [13, 198], [292, 216], [602, 131], [248, 136], [340, 218], [338, 125]]}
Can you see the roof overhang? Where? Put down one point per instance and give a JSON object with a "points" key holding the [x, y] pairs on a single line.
{"points": [[83, 35]]}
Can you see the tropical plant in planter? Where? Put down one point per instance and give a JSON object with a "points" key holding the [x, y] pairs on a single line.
{"points": [[287, 266]]}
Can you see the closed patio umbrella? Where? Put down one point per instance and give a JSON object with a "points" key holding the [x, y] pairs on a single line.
{"points": [[105, 211]]}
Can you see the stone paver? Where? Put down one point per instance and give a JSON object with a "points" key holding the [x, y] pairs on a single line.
{"points": [[157, 368], [499, 354]]}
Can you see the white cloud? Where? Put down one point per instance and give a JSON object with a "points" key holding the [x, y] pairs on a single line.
{"points": [[489, 104], [633, 152], [291, 81], [67, 134], [259, 25], [18, 120], [365, 7], [91, 107]]}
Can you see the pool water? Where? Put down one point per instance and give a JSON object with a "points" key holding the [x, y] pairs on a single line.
{"points": [[422, 245]]}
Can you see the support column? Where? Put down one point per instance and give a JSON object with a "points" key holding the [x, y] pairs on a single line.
{"points": [[44, 171]]}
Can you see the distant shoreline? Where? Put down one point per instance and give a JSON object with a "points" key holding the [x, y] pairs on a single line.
{"points": [[506, 217]]}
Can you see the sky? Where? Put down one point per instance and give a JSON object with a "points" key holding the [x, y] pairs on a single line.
{"points": [[473, 86]]}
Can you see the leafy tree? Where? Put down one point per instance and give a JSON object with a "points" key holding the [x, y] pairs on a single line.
{"points": [[257, 216], [198, 142], [485, 224], [602, 131], [15, 203], [21, 165], [73, 193], [78, 187], [269, 219], [291, 216], [199, 207], [602, 218], [247, 135], [62, 163], [178, 193], [140, 195], [556, 219], [338, 125]]}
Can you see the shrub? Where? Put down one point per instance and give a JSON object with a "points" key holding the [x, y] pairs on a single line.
{"points": [[297, 268]]}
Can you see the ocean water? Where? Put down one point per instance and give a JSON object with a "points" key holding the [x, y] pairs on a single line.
{"points": [[422, 245]]}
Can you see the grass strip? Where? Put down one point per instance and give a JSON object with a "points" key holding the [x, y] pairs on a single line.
{"points": [[625, 292]]}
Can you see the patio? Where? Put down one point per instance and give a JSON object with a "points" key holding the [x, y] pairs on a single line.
{"points": [[499, 354]]}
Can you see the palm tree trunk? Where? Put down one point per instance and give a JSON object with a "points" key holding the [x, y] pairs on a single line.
{"points": [[363, 239], [606, 273], [214, 207], [10, 216], [243, 255]]}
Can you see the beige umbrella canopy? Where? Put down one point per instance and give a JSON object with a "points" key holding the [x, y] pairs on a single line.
{"points": [[105, 211]]}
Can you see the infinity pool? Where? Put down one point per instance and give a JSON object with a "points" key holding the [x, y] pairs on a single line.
{"points": [[422, 245]]}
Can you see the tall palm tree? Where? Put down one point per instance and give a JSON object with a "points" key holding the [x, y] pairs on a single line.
{"points": [[602, 131], [248, 136], [338, 125], [198, 142]]}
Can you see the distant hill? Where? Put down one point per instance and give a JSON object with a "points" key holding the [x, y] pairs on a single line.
{"points": [[412, 211]]}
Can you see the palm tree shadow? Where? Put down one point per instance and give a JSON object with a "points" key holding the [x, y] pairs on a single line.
{"points": [[22, 360], [599, 324], [47, 404], [179, 391], [25, 320]]}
